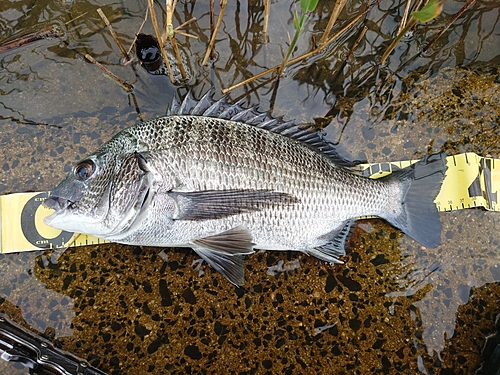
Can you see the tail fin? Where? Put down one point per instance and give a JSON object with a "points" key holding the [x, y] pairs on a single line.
{"points": [[419, 217]]}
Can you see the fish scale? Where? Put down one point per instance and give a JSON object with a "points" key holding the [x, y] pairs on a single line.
{"points": [[224, 188]]}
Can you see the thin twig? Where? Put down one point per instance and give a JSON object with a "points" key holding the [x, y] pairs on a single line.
{"points": [[212, 17], [212, 24], [419, 3], [177, 54], [121, 82], [214, 34], [337, 8], [412, 22], [177, 30], [169, 29], [158, 36], [267, 4], [453, 19], [185, 24], [113, 34], [251, 79], [358, 40], [306, 55], [186, 34], [405, 16], [139, 31], [74, 19], [47, 32], [136, 105]]}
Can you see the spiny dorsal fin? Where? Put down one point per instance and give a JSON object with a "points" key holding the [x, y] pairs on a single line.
{"points": [[222, 109]]}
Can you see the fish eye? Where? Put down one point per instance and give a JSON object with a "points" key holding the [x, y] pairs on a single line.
{"points": [[84, 170]]}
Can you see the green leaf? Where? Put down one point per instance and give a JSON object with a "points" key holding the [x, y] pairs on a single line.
{"points": [[296, 20], [308, 5], [301, 22], [430, 11]]}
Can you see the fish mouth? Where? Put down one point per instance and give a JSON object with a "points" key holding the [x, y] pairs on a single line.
{"points": [[57, 203]]}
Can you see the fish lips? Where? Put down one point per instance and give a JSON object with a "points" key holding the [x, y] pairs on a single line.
{"points": [[62, 198], [60, 205], [70, 218], [57, 203]]}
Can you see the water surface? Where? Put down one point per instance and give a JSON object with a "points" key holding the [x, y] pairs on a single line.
{"points": [[394, 307]]}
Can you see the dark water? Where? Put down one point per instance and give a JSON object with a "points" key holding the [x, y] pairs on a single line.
{"points": [[128, 311]]}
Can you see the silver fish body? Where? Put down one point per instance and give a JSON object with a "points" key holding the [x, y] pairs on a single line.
{"points": [[226, 185]]}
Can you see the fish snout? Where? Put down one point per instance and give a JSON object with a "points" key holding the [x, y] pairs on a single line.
{"points": [[56, 203]]}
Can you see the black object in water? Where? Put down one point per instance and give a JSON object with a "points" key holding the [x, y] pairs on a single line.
{"points": [[148, 52]]}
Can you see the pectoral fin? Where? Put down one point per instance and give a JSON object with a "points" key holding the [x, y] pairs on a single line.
{"points": [[217, 204], [225, 252]]}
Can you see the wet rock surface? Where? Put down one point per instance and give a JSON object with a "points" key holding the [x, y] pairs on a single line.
{"points": [[135, 313]]}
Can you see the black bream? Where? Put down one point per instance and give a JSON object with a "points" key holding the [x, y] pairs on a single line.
{"points": [[224, 180]]}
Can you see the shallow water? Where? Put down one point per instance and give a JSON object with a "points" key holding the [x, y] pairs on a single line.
{"points": [[126, 310]]}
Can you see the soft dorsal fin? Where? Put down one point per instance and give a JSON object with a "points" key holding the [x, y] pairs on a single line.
{"points": [[222, 109]]}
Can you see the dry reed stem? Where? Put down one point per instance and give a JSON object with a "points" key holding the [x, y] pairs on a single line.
{"points": [[405, 16], [214, 34], [169, 30], [337, 8], [358, 40], [121, 82], [113, 34], [453, 19], [74, 19], [136, 105], [177, 54], [158, 37], [47, 32], [185, 24], [267, 4], [139, 31], [212, 17], [169, 5], [306, 55], [185, 34]]}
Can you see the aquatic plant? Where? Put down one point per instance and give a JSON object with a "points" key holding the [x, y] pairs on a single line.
{"points": [[430, 11], [306, 7]]}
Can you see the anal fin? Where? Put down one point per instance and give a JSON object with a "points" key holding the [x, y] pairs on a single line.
{"points": [[226, 251], [335, 248], [230, 266]]}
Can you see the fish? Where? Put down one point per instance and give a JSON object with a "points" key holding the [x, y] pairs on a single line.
{"points": [[225, 180]]}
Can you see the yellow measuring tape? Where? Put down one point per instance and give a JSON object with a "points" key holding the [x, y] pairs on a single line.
{"points": [[471, 181]]}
